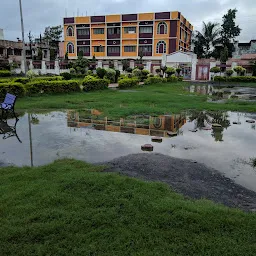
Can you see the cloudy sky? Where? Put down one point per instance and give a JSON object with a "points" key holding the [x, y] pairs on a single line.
{"points": [[41, 13]]}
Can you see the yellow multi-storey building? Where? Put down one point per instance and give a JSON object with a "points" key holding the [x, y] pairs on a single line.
{"points": [[127, 35]]}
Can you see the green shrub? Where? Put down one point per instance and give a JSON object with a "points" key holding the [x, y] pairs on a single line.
{"points": [[66, 75], [151, 75], [49, 78], [229, 72], [178, 70], [101, 72], [238, 69], [220, 78], [37, 86], [180, 78], [172, 78], [5, 73], [170, 71], [72, 71], [92, 83], [155, 80], [5, 81], [110, 74], [22, 80], [13, 88], [215, 70], [30, 74], [144, 74], [244, 79], [89, 72], [129, 70], [128, 83], [137, 72], [117, 75]]}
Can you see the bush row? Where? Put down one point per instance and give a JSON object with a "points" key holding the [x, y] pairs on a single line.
{"points": [[36, 87], [245, 79], [5, 73], [128, 82], [91, 83], [155, 80], [13, 88]]}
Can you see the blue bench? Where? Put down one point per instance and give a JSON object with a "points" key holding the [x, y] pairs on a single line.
{"points": [[8, 104]]}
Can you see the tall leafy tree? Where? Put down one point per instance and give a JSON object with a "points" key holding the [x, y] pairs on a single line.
{"points": [[53, 35], [229, 30], [205, 41]]}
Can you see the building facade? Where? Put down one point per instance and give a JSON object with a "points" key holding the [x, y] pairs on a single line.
{"points": [[127, 35], [244, 48]]}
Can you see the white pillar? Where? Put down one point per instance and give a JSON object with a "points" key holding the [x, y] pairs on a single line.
{"points": [[43, 67], [148, 66], [193, 69], [99, 64], [57, 67], [116, 64], [132, 64], [31, 67]]}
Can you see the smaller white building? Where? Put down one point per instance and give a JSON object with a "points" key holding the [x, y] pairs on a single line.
{"points": [[187, 61]]}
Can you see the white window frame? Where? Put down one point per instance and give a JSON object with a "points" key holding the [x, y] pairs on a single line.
{"points": [[158, 45], [73, 47], [159, 28], [68, 28]]}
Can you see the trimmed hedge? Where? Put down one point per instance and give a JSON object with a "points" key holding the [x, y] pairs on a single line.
{"points": [[66, 75], [128, 82], [244, 79], [155, 80], [22, 80], [7, 80], [13, 88], [5, 73], [91, 83], [49, 87]]}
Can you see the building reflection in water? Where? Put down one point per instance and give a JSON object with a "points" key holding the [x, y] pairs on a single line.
{"points": [[139, 124]]}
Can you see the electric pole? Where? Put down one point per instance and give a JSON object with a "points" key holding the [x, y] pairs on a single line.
{"points": [[23, 41]]}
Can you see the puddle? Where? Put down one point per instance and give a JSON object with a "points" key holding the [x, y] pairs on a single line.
{"points": [[221, 92], [228, 147]]}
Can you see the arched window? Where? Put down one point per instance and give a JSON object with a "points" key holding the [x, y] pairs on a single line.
{"points": [[70, 31], [70, 48], [161, 47], [162, 28]]}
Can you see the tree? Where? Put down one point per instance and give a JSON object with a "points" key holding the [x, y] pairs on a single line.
{"points": [[224, 55], [66, 56], [30, 39], [205, 41], [238, 70], [125, 64], [229, 30], [52, 54], [53, 35], [101, 72], [178, 70]]}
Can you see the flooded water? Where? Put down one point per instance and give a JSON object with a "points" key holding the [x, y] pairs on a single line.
{"points": [[219, 92], [223, 141]]}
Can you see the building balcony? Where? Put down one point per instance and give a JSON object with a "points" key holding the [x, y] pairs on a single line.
{"points": [[114, 53], [113, 36], [83, 36], [146, 35]]}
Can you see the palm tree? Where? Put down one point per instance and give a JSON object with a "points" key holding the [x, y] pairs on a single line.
{"points": [[205, 41]]}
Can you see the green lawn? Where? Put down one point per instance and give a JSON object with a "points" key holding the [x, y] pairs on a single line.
{"points": [[73, 208], [154, 99]]}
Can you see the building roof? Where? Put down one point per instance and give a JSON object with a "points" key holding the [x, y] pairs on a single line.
{"points": [[247, 44]]}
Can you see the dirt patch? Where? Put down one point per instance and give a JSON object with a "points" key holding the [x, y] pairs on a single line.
{"points": [[186, 177]]}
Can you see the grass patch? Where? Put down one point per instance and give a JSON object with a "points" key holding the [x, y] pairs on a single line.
{"points": [[151, 99], [72, 208]]}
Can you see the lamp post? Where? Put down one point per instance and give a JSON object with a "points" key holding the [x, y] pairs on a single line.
{"points": [[23, 39]]}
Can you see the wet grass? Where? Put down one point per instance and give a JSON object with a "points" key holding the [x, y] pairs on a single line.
{"points": [[154, 100], [73, 208]]}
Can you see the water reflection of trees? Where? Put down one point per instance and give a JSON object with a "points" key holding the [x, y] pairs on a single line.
{"points": [[204, 119]]}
